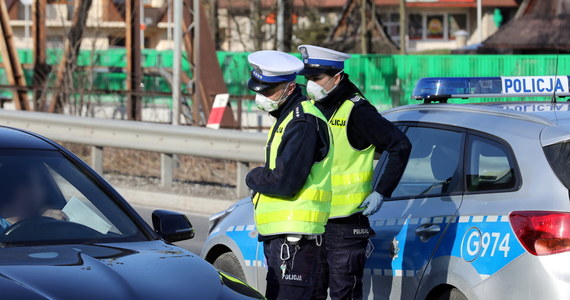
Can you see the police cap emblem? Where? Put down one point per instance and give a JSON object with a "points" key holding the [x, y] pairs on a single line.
{"points": [[304, 54]]}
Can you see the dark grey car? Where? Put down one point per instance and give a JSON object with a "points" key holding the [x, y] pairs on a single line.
{"points": [[65, 233]]}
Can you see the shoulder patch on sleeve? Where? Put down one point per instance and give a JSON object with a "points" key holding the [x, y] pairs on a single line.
{"points": [[298, 112], [356, 98]]}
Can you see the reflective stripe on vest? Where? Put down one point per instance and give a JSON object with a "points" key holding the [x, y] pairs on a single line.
{"points": [[308, 211], [352, 169]]}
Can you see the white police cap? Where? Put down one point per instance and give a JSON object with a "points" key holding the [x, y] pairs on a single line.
{"points": [[319, 59], [271, 68]]}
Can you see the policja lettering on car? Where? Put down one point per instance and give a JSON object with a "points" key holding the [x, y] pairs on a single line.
{"points": [[535, 84]]}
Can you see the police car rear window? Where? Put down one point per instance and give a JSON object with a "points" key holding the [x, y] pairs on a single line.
{"points": [[558, 156], [489, 167]]}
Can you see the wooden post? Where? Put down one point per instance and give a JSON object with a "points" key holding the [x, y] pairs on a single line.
{"points": [[403, 26], [134, 71], [41, 68], [199, 92], [363, 23], [12, 66]]}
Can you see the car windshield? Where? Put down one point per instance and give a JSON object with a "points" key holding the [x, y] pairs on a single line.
{"points": [[46, 199]]}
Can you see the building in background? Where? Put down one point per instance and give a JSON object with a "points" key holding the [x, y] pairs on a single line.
{"points": [[242, 25], [105, 26], [435, 24], [432, 24], [541, 27]]}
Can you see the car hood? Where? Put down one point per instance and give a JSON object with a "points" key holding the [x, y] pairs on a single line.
{"points": [[141, 270]]}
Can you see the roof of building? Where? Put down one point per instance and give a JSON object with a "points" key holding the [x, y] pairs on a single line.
{"points": [[450, 3], [541, 26], [341, 3], [346, 37]]}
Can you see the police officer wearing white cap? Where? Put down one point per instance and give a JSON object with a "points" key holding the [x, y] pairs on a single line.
{"points": [[358, 132], [292, 192]]}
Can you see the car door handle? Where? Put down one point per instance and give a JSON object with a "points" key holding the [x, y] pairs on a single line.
{"points": [[426, 231]]}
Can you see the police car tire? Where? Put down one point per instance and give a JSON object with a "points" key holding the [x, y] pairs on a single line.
{"points": [[229, 263], [451, 294]]}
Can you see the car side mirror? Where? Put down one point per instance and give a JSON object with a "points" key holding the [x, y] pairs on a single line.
{"points": [[172, 226]]}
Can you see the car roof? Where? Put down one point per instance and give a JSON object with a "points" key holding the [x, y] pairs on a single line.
{"points": [[557, 113], [12, 138], [549, 121], [545, 113]]}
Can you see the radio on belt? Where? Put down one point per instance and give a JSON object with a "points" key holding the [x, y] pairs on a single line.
{"points": [[440, 89]]}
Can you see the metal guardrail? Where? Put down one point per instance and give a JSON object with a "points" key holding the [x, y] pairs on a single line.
{"points": [[242, 147]]}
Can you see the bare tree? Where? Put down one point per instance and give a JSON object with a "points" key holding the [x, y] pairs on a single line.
{"points": [[75, 85], [313, 27], [72, 44], [238, 27], [257, 21]]}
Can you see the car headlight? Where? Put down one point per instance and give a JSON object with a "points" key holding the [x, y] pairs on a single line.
{"points": [[216, 218], [239, 286]]}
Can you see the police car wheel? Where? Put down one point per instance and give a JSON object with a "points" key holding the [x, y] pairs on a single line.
{"points": [[451, 294], [229, 263]]}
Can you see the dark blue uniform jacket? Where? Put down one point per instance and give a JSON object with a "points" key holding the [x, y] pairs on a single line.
{"points": [[305, 142], [367, 127]]}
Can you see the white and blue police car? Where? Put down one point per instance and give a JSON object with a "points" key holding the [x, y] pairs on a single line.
{"points": [[482, 210]]}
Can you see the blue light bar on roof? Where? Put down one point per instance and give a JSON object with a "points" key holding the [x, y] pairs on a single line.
{"points": [[443, 88]]}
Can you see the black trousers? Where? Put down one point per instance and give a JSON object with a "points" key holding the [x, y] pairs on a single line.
{"points": [[341, 261], [299, 279]]}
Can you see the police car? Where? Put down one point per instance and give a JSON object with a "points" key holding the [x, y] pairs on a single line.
{"points": [[482, 210]]}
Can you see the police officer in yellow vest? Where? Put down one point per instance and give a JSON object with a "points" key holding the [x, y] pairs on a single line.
{"points": [[292, 197], [358, 132]]}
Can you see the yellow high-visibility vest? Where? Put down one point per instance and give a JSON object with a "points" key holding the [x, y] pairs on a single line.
{"points": [[352, 169], [308, 211]]}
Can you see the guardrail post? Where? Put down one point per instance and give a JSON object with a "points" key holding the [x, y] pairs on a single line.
{"points": [[97, 159], [166, 169], [241, 171]]}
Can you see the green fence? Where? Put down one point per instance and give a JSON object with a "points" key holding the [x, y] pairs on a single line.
{"points": [[384, 79], [380, 76], [390, 79]]}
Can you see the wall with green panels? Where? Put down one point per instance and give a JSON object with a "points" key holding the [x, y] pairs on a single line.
{"points": [[386, 80]]}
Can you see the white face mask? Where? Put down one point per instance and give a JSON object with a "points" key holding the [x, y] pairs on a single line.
{"points": [[267, 104], [317, 92]]}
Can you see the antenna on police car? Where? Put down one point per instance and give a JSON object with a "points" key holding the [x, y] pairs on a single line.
{"points": [[553, 100]]}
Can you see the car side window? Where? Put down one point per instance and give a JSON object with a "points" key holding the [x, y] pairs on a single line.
{"points": [[380, 165], [434, 167], [489, 166]]}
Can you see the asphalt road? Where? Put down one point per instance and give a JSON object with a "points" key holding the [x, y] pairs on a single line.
{"points": [[199, 222]]}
